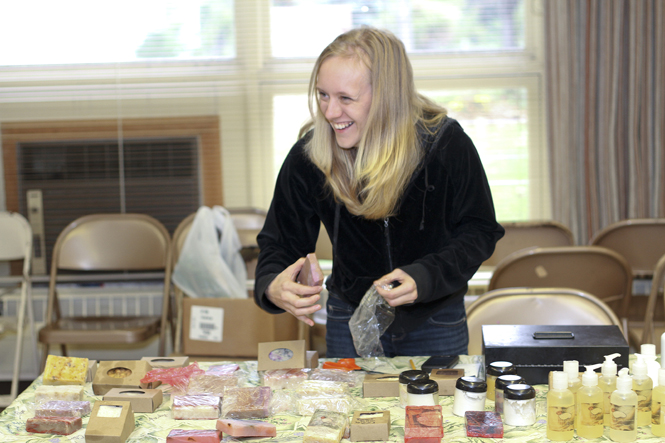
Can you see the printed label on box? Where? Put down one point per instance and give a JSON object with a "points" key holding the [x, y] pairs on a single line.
{"points": [[206, 323]]}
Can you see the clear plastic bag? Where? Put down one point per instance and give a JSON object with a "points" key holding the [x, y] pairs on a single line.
{"points": [[370, 320]]}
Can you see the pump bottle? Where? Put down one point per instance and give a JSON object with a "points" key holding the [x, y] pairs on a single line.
{"points": [[608, 383], [648, 351], [589, 405], [642, 385], [623, 401], [560, 409], [572, 368], [657, 405]]}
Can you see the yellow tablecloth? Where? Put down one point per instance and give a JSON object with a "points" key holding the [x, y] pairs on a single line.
{"points": [[155, 427]]}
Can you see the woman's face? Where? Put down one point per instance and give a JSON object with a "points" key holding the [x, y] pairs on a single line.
{"points": [[345, 96]]}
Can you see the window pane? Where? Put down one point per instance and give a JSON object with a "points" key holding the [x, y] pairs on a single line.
{"points": [[425, 26], [84, 31]]}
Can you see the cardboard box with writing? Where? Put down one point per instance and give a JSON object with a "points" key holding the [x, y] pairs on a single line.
{"points": [[289, 354], [446, 378], [142, 400], [370, 426], [231, 327], [381, 385], [167, 362], [120, 374], [110, 422]]}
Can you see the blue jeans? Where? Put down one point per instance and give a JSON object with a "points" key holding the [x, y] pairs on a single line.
{"points": [[445, 333]]}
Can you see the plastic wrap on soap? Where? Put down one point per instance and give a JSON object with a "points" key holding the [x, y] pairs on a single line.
{"points": [[195, 407], [206, 384], [177, 378], [283, 401], [246, 428], [46, 393], [326, 426], [53, 425], [343, 404], [352, 378], [226, 369], [284, 378], [319, 388], [246, 402], [193, 436], [60, 408]]}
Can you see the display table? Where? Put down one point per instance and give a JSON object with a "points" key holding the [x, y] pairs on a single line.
{"points": [[154, 427]]}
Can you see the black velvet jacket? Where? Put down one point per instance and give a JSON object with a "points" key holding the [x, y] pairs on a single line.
{"points": [[444, 230]]}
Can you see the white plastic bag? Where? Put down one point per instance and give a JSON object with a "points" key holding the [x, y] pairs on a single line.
{"points": [[368, 323], [210, 264]]}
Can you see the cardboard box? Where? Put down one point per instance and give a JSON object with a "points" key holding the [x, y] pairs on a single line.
{"points": [[370, 426], [167, 362], [446, 379], [226, 327], [285, 355], [92, 370], [381, 385], [120, 374], [142, 400], [110, 422], [534, 358]]}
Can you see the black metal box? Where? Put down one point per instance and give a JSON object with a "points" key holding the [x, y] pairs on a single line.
{"points": [[535, 350]]}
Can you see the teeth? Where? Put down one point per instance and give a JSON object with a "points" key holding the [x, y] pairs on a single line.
{"points": [[341, 126]]}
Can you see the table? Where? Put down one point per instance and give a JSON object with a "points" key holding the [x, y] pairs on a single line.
{"points": [[154, 427]]}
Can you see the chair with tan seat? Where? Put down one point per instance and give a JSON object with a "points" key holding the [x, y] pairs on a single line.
{"points": [[652, 331], [129, 244], [531, 234], [596, 270], [535, 306]]}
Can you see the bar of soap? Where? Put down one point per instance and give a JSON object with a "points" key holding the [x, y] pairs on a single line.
{"points": [[342, 404], [351, 378], [246, 428], [193, 435], [311, 273], [423, 424], [45, 393], [326, 427], [65, 370], [320, 388], [195, 407], [483, 424], [284, 378], [248, 402], [53, 425], [207, 384], [59, 408]]}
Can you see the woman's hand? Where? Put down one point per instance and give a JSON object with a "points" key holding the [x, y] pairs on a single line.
{"points": [[397, 288], [299, 300]]}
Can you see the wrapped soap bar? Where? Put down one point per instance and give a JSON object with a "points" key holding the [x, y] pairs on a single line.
{"points": [[483, 424], [284, 378], [54, 425], [321, 388], [248, 402], [45, 394], [65, 370], [246, 428], [342, 404], [423, 424], [195, 407], [351, 378], [193, 436], [227, 369], [326, 427], [59, 408], [206, 384]]}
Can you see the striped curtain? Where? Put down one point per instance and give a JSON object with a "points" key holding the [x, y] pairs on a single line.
{"points": [[605, 111]]}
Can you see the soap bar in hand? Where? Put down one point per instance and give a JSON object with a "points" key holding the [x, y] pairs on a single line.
{"points": [[311, 273]]}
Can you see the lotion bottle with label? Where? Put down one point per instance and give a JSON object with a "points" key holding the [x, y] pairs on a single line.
{"points": [[648, 351], [589, 405], [560, 409], [572, 368], [657, 405], [623, 401], [642, 385], [608, 383]]}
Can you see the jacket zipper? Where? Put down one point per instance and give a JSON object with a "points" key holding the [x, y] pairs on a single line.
{"points": [[386, 231]]}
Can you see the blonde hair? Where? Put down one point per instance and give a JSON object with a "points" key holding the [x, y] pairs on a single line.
{"points": [[370, 181]]}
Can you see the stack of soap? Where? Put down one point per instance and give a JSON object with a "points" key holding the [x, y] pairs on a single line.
{"points": [[195, 407], [54, 425], [423, 424], [45, 394], [207, 384], [249, 402], [59, 408], [326, 427], [284, 378], [65, 370], [483, 424], [193, 436], [246, 428]]}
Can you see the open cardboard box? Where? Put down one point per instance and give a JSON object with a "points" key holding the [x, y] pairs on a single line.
{"points": [[142, 400], [120, 374], [110, 422], [370, 426], [381, 385], [286, 355]]}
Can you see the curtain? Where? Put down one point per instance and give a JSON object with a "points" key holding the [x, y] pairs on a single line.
{"points": [[605, 71]]}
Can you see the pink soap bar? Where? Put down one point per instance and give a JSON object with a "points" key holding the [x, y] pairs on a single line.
{"points": [[311, 273], [54, 425], [246, 428], [193, 435], [423, 424], [483, 424]]}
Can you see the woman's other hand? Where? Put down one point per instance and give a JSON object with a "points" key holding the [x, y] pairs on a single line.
{"points": [[397, 288], [299, 300]]}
